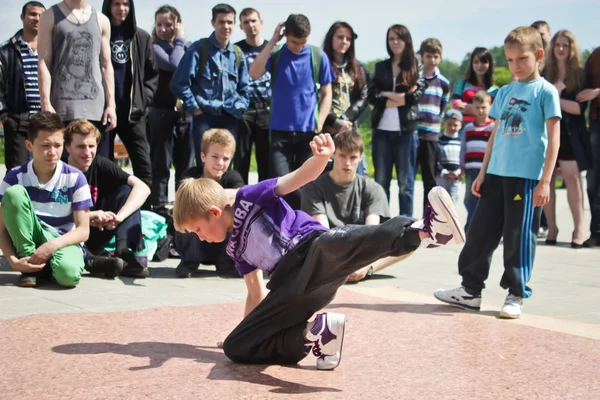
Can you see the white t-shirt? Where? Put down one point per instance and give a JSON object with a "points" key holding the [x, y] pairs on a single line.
{"points": [[390, 120]]}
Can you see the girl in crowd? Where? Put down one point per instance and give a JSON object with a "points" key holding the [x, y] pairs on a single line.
{"points": [[562, 67], [169, 130], [350, 88], [395, 91], [480, 76]]}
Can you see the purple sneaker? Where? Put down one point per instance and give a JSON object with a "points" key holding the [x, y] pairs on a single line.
{"points": [[440, 221], [327, 337]]}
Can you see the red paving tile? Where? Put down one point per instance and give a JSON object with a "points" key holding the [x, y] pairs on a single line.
{"points": [[392, 351]]}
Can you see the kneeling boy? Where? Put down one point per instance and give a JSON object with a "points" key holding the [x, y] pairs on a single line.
{"points": [[306, 261]]}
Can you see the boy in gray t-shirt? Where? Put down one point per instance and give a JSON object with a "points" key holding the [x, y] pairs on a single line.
{"points": [[341, 197]]}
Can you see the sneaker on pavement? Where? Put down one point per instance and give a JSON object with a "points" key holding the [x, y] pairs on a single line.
{"points": [[186, 269], [512, 308], [135, 267], [327, 338], [111, 267], [28, 280], [459, 297], [440, 221]]}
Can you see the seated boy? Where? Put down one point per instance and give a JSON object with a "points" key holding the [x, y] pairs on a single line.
{"points": [[45, 209], [218, 148], [341, 197], [306, 261], [450, 176], [117, 198]]}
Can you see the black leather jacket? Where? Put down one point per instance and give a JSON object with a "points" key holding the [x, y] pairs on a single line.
{"points": [[382, 81], [12, 79], [358, 103]]}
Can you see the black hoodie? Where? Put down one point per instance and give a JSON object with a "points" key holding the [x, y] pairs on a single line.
{"points": [[132, 47]]}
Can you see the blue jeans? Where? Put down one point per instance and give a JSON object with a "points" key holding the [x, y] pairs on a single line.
{"points": [[470, 199], [593, 178], [399, 149], [451, 187], [204, 122], [170, 137], [363, 167]]}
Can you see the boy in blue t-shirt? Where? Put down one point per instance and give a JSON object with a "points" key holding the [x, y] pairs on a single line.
{"points": [[307, 262], [514, 181], [299, 105]]}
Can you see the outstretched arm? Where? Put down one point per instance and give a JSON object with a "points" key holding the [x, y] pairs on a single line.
{"points": [[323, 148]]}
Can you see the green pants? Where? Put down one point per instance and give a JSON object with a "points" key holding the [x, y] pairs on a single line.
{"points": [[27, 234]]}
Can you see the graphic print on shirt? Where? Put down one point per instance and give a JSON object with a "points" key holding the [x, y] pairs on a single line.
{"points": [[120, 51], [61, 196], [256, 239], [510, 120], [94, 193], [75, 80]]}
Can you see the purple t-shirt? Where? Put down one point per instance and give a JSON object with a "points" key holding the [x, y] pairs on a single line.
{"points": [[265, 228]]}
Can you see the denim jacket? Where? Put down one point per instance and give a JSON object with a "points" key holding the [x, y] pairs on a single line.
{"points": [[220, 88]]}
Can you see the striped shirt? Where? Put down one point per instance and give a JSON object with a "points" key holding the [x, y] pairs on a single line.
{"points": [[55, 201], [474, 142], [432, 105], [449, 154], [30, 72], [465, 91]]}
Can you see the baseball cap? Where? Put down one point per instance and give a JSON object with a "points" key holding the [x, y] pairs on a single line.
{"points": [[453, 114]]}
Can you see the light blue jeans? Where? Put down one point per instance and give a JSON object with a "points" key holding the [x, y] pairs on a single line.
{"points": [[451, 186]]}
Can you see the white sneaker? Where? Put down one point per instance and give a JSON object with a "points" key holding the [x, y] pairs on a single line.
{"points": [[440, 220], [459, 297], [327, 337], [512, 308]]}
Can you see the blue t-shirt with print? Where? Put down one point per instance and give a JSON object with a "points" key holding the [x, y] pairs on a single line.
{"points": [[294, 97], [521, 110]]}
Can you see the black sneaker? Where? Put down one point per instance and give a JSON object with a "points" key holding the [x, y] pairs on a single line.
{"points": [[186, 269], [111, 267], [28, 280], [134, 266]]}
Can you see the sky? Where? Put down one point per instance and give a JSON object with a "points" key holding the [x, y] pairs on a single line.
{"points": [[461, 25]]}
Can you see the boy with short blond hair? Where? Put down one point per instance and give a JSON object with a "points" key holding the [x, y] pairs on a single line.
{"points": [[473, 143], [514, 181], [306, 261], [218, 149], [431, 108]]}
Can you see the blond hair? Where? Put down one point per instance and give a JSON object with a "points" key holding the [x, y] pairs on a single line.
{"points": [[482, 96], [575, 76], [194, 198], [222, 137], [525, 36], [81, 127]]}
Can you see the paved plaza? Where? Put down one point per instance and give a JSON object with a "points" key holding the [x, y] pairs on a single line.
{"points": [[155, 338]]}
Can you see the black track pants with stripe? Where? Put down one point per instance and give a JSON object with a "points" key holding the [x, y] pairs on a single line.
{"points": [[505, 210]]}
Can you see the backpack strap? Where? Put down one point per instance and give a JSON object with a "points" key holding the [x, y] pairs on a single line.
{"points": [[203, 55], [239, 54], [275, 54], [315, 62]]}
